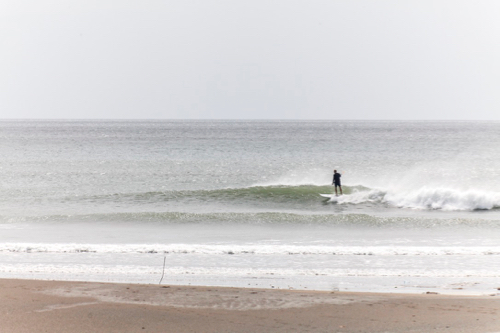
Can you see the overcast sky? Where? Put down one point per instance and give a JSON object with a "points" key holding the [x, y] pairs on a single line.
{"points": [[258, 59]]}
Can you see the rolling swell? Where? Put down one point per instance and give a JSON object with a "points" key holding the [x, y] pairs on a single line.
{"points": [[262, 219], [278, 193]]}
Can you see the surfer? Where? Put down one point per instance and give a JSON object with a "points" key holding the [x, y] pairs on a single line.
{"points": [[336, 181]]}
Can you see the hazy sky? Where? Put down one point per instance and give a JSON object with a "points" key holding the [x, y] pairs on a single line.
{"points": [[400, 59]]}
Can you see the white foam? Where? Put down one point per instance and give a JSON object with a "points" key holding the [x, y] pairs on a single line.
{"points": [[472, 275], [362, 197], [444, 199], [447, 199], [249, 249]]}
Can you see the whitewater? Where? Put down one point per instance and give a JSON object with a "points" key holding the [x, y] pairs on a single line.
{"points": [[237, 203]]}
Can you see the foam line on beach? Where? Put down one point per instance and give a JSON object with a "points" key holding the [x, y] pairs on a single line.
{"points": [[231, 249]]}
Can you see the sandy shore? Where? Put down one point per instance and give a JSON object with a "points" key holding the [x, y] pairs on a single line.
{"points": [[52, 306]]}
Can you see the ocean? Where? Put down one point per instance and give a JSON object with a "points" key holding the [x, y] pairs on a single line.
{"points": [[237, 203]]}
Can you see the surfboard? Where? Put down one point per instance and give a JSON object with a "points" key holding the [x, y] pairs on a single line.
{"points": [[332, 197]]}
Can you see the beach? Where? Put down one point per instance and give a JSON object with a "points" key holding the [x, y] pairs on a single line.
{"points": [[55, 306]]}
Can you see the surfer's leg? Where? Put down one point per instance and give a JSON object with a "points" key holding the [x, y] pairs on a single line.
{"points": [[340, 190], [336, 190]]}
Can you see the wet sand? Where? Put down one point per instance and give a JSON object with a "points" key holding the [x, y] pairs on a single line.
{"points": [[54, 306]]}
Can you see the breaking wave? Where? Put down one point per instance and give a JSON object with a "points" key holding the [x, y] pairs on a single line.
{"points": [[427, 198], [280, 200]]}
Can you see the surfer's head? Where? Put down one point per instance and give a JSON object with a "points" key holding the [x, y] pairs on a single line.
{"points": [[335, 171]]}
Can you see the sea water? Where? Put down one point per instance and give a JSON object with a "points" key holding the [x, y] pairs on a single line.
{"points": [[237, 203]]}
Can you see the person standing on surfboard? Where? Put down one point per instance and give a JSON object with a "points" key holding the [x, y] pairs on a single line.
{"points": [[336, 181]]}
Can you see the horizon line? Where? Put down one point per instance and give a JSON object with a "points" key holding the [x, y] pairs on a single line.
{"points": [[236, 119]]}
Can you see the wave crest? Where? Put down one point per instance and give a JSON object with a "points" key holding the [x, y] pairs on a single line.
{"points": [[445, 199]]}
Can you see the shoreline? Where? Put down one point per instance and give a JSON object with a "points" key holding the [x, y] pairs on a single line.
{"points": [[66, 306], [449, 286]]}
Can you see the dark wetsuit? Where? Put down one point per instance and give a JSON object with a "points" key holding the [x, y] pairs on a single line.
{"points": [[336, 179]]}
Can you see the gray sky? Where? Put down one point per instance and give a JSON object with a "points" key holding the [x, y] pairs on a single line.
{"points": [[250, 59]]}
